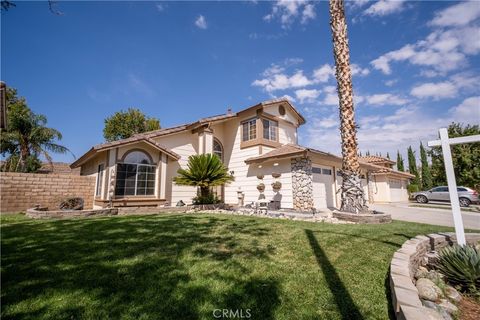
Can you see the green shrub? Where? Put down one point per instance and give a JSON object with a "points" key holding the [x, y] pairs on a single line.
{"points": [[461, 266], [412, 188], [207, 199]]}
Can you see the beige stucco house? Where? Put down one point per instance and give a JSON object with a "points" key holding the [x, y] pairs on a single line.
{"points": [[261, 140]]}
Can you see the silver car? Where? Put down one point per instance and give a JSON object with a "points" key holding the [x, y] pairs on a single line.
{"points": [[466, 196]]}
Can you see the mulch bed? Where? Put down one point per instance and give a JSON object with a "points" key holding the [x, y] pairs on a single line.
{"points": [[469, 309]]}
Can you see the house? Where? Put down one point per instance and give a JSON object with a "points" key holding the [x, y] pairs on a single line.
{"points": [[257, 144]]}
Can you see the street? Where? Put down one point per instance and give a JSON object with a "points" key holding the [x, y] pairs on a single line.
{"points": [[441, 217]]}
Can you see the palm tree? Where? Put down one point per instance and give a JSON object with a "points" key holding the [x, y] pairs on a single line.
{"points": [[353, 198], [27, 136], [203, 171]]}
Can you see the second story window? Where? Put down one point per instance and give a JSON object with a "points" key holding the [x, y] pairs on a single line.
{"points": [[270, 129], [249, 129]]}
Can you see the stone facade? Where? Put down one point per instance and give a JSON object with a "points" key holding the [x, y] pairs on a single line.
{"points": [[302, 184], [21, 191]]}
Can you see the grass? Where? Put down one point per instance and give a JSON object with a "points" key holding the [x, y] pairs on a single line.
{"points": [[174, 266]]}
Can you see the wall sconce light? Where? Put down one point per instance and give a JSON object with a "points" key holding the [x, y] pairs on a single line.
{"points": [[259, 166], [275, 164]]}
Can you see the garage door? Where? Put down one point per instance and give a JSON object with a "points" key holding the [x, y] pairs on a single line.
{"points": [[397, 191], [323, 187]]}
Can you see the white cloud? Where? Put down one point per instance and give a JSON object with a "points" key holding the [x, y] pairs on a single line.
{"points": [[160, 7], [385, 99], [280, 81], [323, 73], [446, 48], [391, 82], [307, 95], [308, 13], [201, 22], [436, 91], [467, 111], [357, 70], [457, 15], [384, 7], [288, 11]]}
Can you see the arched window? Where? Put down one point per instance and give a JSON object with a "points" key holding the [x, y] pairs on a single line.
{"points": [[137, 157], [135, 175], [218, 149]]}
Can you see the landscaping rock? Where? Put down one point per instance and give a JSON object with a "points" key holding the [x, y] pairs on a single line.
{"points": [[452, 294], [434, 276], [421, 273], [448, 306], [427, 290]]}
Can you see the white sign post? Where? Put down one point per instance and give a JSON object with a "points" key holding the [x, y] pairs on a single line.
{"points": [[445, 142]]}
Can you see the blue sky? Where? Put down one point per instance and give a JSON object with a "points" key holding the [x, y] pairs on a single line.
{"points": [[416, 65]]}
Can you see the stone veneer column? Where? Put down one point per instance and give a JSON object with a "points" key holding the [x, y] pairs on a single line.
{"points": [[302, 184]]}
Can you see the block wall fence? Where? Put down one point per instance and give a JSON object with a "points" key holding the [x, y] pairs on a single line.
{"points": [[20, 191]]}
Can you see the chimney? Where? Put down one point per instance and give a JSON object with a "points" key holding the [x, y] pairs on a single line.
{"points": [[229, 111]]}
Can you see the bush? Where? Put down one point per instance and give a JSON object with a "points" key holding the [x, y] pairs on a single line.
{"points": [[412, 188], [461, 266], [208, 199]]}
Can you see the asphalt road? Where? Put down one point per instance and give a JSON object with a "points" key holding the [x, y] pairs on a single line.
{"points": [[441, 217]]}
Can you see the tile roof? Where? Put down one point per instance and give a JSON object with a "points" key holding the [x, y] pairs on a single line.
{"points": [[376, 159]]}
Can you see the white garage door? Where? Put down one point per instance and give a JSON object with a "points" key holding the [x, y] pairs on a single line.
{"points": [[323, 187], [397, 191]]}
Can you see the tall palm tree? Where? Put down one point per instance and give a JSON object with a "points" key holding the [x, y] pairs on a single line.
{"points": [[27, 136], [203, 171], [353, 198]]}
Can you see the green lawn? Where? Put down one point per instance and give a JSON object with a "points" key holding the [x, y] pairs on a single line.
{"points": [[175, 266]]}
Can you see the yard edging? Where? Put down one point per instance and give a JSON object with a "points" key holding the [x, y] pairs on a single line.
{"points": [[405, 261]]}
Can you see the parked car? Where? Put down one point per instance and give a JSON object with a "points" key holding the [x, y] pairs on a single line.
{"points": [[466, 196]]}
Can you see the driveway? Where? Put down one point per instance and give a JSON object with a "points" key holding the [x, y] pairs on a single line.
{"points": [[440, 217]]}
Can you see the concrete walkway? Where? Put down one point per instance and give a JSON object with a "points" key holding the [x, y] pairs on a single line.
{"points": [[440, 217]]}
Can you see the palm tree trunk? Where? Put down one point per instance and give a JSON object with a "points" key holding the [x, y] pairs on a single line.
{"points": [[353, 199]]}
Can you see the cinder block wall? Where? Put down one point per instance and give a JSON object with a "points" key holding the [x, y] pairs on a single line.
{"points": [[20, 191]]}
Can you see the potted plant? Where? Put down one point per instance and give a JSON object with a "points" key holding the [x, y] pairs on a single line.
{"points": [[261, 187], [276, 175], [260, 176]]}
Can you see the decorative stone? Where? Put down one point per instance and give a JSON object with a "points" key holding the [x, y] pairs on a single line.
{"points": [[434, 276], [452, 294], [448, 306], [421, 272], [427, 290]]}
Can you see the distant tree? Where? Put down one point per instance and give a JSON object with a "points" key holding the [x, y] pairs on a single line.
{"points": [[400, 165], [6, 5], [124, 124], [27, 137], [412, 166], [426, 173], [388, 156], [466, 158]]}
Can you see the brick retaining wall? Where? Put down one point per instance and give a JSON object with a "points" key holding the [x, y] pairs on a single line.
{"points": [[20, 191]]}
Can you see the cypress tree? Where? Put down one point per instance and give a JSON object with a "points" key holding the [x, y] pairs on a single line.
{"points": [[400, 166], [426, 173], [412, 166], [388, 156]]}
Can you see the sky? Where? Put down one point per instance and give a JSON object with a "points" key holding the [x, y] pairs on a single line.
{"points": [[415, 65]]}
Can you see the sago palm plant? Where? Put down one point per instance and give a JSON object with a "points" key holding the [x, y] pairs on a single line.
{"points": [[203, 171]]}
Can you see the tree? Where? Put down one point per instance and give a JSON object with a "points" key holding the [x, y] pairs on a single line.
{"points": [[412, 166], [203, 171], [124, 124], [400, 165], [465, 157], [426, 173], [27, 137], [353, 197], [388, 156]]}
